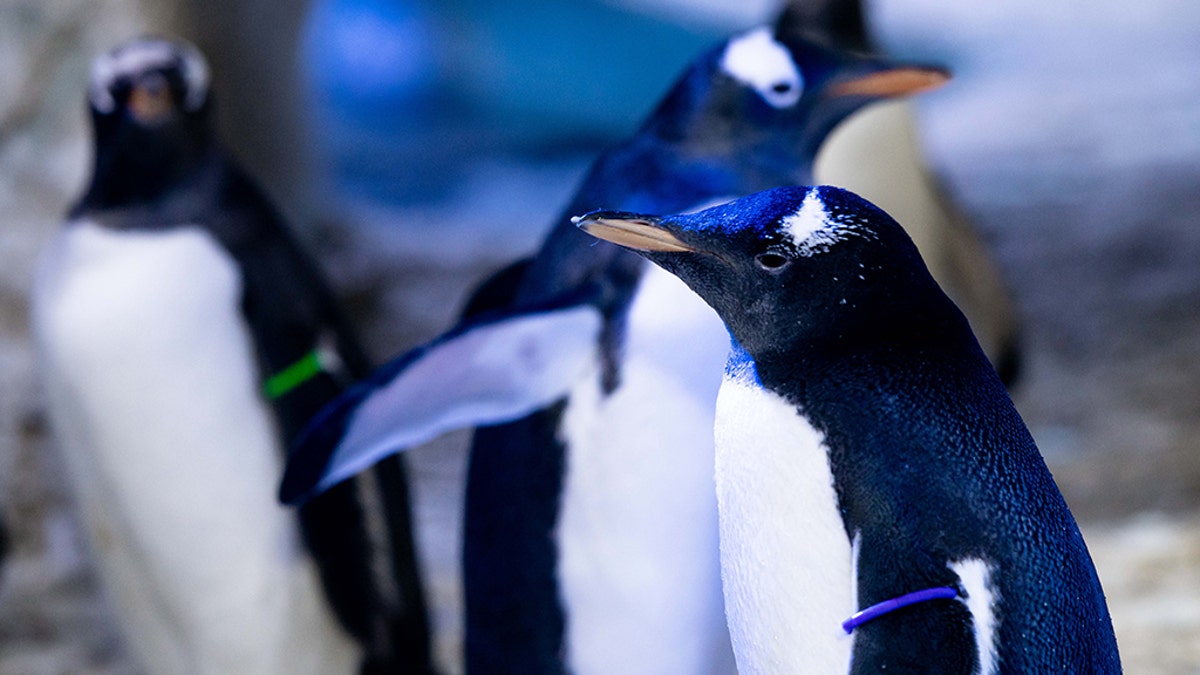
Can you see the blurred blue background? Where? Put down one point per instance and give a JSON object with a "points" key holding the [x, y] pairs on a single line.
{"points": [[405, 93]]}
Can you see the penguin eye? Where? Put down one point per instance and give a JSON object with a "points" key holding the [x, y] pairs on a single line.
{"points": [[772, 261]]}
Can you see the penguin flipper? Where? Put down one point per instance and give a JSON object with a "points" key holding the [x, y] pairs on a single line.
{"points": [[491, 371]]}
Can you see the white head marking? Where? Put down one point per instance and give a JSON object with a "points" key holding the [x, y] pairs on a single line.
{"points": [[810, 228], [141, 55], [759, 61]]}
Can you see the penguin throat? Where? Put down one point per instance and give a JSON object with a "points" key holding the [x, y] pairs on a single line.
{"points": [[142, 167]]}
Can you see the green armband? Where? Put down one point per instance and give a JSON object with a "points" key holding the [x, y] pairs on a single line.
{"points": [[303, 370]]}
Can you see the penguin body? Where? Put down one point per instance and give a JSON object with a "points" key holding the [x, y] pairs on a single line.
{"points": [[173, 491], [590, 516], [867, 451], [167, 304], [601, 578], [613, 517]]}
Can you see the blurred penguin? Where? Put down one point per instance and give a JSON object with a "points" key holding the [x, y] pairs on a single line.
{"points": [[183, 335]]}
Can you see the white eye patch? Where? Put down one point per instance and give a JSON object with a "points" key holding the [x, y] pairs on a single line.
{"points": [[141, 56], [760, 62]]}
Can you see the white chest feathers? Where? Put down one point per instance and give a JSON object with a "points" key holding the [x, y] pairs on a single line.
{"points": [[786, 561], [638, 558], [153, 390]]}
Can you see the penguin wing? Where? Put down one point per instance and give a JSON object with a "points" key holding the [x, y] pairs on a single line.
{"points": [[493, 370], [289, 302]]}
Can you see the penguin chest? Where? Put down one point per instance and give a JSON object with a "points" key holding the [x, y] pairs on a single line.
{"points": [[637, 533], [152, 386], [147, 348], [786, 561]]}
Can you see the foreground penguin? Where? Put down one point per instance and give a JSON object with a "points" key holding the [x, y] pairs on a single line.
{"points": [[172, 313], [883, 507], [590, 541]]}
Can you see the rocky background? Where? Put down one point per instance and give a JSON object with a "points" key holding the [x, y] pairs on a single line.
{"points": [[1071, 134]]}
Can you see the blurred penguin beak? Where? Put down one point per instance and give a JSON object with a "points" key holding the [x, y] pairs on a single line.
{"points": [[641, 233], [902, 81], [150, 101]]}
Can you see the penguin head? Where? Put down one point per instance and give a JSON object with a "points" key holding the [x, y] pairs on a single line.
{"points": [[790, 266], [150, 102], [149, 82], [771, 96]]}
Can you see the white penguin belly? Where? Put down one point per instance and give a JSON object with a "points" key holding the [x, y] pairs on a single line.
{"points": [[638, 556], [786, 561], [151, 381]]}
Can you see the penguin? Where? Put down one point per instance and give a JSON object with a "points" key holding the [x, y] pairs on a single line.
{"points": [[184, 336], [590, 533], [883, 507], [876, 153]]}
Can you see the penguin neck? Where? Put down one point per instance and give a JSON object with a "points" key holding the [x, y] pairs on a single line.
{"points": [[135, 166], [797, 342]]}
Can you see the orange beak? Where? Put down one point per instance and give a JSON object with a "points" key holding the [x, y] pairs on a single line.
{"points": [[903, 81]]}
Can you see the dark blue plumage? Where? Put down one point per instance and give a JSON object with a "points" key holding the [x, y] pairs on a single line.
{"points": [[832, 311]]}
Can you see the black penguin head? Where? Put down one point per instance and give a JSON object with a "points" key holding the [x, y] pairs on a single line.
{"points": [[837, 23], [149, 99], [772, 95], [815, 266]]}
